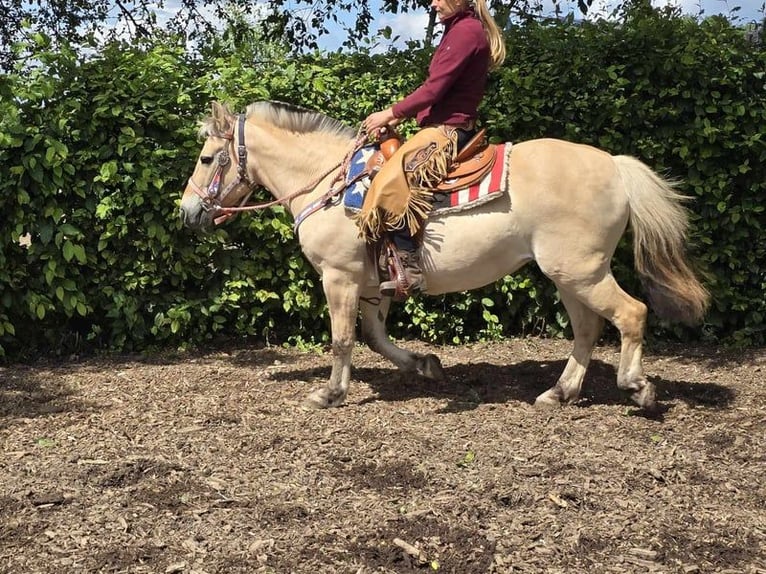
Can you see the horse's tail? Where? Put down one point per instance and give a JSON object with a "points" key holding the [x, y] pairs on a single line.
{"points": [[659, 222]]}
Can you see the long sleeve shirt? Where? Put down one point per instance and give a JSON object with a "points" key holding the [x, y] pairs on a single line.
{"points": [[457, 76]]}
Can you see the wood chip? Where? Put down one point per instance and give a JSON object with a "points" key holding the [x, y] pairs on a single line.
{"points": [[418, 513], [656, 474], [191, 429], [557, 500], [17, 454], [191, 545], [648, 564], [643, 553], [413, 551], [258, 545], [46, 499], [123, 523]]}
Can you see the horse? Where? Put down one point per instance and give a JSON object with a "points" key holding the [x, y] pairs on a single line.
{"points": [[565, 206]]}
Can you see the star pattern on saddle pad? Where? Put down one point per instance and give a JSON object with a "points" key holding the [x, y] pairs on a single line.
{"points": [[358, 163]]}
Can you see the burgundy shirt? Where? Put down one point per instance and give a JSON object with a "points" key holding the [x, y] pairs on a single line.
{"points": [[457, 76]]}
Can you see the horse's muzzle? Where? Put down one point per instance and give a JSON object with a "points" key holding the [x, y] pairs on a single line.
{"points": [[193, 216]]}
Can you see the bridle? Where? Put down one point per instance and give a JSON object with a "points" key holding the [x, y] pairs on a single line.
{"points": [[212, 195]]}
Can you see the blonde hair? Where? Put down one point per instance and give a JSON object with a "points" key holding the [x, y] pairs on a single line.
{"points": [[494, 34]]}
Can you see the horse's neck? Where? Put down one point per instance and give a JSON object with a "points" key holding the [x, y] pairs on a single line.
{"points": [[289, 163]]}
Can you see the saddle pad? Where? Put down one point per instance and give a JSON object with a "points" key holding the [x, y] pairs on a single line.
{"points": [[356, 181], [489, 188]]}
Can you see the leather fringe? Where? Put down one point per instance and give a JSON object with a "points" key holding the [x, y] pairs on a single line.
{"points": [[423, 177]]}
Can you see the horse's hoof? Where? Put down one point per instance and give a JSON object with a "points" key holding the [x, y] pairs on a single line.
{"points": [[323, 399], [646, 398], [317, 400], [312, 404], [548, 400], [431, 368]]}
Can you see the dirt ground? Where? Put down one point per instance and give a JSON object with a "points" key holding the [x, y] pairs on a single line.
{"points": [[206, 463]]}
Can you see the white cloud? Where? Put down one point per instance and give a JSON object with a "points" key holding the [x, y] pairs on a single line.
{"points": [[749, 10], [408, 26]]}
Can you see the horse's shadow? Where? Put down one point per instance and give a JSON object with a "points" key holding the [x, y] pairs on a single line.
{"points": [[31, 396], [470, 385]]}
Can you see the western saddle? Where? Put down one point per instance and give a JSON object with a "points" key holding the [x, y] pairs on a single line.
{"points": [[473, 162]]}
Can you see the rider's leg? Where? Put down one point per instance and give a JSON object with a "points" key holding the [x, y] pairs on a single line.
{"points": [[407, 247], [463, 137]]}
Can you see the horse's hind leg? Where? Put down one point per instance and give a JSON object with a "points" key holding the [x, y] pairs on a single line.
{"points": [[607, 298], [374, 310], [586, 326], [342, 293], [629, 316]]}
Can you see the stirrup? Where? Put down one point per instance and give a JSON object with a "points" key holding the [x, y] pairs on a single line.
{"points": [[389, 288], [400, 291], [401, 285]]}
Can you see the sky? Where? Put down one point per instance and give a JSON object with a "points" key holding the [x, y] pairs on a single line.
{"points": [[412, 25]]}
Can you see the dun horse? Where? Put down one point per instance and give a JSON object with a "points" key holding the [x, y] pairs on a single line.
{"points": [[565, 207]]}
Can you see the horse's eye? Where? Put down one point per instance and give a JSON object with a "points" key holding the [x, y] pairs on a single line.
{"points": [[206, 159]]}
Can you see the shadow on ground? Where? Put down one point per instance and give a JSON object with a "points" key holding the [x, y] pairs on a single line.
{"points": [[468, 386], [32, 395]]}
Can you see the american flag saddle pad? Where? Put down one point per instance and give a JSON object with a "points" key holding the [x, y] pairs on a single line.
{"points": [[490, 187]]}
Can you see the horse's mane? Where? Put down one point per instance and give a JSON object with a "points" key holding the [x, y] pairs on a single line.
{"points": [[298, 119]]}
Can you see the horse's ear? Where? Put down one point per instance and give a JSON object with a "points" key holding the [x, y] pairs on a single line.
{"points": [[222, 117], [219, 111]]}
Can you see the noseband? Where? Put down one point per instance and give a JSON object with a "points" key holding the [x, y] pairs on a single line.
{"points": [[212, 196]]}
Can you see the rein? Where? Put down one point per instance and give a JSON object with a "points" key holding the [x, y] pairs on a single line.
{"points": [[212, 197]]}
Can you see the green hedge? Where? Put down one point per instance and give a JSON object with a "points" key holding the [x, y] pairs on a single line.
{"points": [[96, 150]]}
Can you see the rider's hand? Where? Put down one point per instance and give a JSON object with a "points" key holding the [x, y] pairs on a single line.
{"points": [[377, 120]]}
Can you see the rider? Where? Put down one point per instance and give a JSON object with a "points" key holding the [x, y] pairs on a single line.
{"points": [[446, 109]]}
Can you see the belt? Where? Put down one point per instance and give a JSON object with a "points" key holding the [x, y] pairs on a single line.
{"points": [[468, 125]]}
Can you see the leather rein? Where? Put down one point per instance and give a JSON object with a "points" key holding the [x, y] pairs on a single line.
{"points": [[212, 195]]}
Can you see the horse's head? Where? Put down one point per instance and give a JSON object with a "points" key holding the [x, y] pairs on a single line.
{"points": [[220, 178]]}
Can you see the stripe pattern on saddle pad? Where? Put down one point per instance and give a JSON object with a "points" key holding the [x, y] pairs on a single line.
{"points": [[489, 188]]}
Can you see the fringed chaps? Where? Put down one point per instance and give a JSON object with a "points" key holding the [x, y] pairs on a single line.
{"points": [[400, 194]]}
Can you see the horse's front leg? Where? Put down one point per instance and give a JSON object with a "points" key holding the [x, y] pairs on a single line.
{"points": [[342, 293], [374, 311]]}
